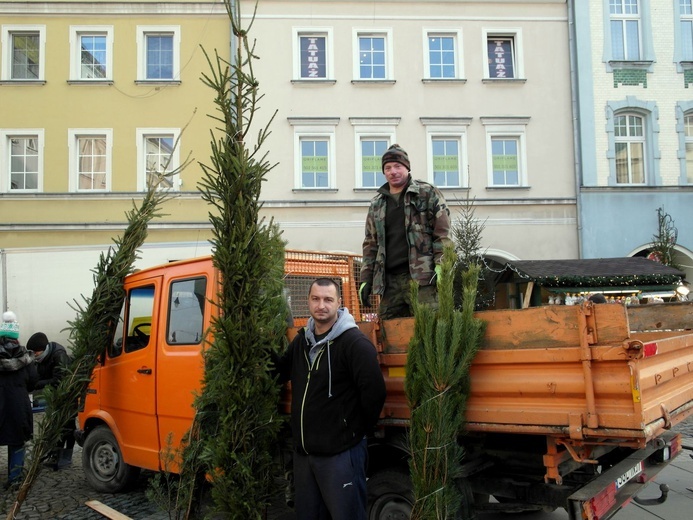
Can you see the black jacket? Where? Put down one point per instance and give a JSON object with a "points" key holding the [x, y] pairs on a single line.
{"points": [[338, 400], [52, 368], [17, 378]]}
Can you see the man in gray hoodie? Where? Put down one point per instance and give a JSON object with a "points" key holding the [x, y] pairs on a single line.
{"points": [[338, 393]]}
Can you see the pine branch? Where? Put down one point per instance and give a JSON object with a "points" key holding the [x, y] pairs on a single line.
{"points": [[90, 333]]}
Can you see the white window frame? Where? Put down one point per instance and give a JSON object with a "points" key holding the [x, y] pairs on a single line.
{"points": [[321, 32], [511, 128], [682, 41], [623, 18], [142, 32], [5, 151], [7, 58], [688, 141], [514, 33], [429, 32], [454, 128], [141, 135], [73, 162], [381, 129], [315, 129], [385, 33], [76, 33], [630, 140]]}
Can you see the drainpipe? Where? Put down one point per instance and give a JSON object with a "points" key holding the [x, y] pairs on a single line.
{"points": [[234, 42], [3, 278], [575, 103]]}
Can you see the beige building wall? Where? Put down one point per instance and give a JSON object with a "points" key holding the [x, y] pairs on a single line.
{"points": [[535, 219]]}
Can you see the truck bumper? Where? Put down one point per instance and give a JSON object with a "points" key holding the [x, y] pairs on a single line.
{"points": [[607, 494]]}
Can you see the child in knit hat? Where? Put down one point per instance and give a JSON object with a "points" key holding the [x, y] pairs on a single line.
{"points": [[9, 327], [18, 375]]}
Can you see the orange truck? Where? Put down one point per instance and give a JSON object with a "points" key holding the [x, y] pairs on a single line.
{"points": [[570, 406]]}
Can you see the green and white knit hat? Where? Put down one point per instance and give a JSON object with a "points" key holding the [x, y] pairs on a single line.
{"points": [[9, 326]]}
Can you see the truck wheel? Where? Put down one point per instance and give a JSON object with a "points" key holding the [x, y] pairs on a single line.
{"points": [[390, 495], [103, 464]]}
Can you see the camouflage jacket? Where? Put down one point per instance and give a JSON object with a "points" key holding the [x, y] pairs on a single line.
{"points": [[427, 224]]}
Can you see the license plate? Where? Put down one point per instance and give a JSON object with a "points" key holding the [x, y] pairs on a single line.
{"points": [[628, 475]]}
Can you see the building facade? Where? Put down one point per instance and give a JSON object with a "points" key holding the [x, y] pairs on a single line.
{"points": [[635, 124], [469, 88]]}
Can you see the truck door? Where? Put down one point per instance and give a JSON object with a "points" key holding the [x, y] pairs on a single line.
{"points": [[180, 364], [128, 379]]}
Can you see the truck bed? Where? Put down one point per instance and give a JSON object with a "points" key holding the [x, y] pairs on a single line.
{"points": [[590, 374]]}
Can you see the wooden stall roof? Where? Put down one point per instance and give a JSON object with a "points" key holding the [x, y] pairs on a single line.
{"points": [[592, 272]]}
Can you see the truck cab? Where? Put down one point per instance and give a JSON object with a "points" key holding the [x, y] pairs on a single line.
{"points": [[139, 404]]}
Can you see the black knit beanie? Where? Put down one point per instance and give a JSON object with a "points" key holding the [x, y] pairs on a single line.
{"points": [[37, 342], [396, 154]]}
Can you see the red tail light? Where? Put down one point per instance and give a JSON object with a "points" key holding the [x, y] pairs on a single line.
{"points": [[597, 506]]}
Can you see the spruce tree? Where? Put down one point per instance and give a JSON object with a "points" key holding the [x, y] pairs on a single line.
{"points": [[441, 351], [237, 419], [664, 241]]}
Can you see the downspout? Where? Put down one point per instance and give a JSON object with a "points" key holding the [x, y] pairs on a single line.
{"points": [[3, 278], [234, 43], [575, 104]]}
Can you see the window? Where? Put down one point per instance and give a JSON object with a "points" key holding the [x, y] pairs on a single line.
{"points": [[625, 29], [503, 54], [90, 159], [91, 52], [159, 53], [315, 162], [314, 152], [186, 311], [633, 152], [157, 156], [373, 55], [442, 59], [446, 162], [372, 136], [372, 149], [21, 155], [628, 36], [684, 129], [313, 58], [506, 155], [683, 33], [630, 149], [447, 151], [23, 52], [136, 313]]}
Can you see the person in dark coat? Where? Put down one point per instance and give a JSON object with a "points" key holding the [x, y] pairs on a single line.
{"points": [[18, 375], [51, 362], [337, 393]]}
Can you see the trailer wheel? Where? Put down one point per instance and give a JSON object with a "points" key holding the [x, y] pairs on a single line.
{"points": [[103, 464], [390, 495]]}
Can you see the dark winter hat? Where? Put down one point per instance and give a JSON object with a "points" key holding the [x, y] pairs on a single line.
{"points": [[37, 342], [396, 154], [9, 326]]}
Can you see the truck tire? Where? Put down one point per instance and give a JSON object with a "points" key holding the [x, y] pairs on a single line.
{"points": [[390, 495], [103, 464]]}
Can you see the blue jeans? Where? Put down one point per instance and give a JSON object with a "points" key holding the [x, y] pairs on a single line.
{"points": [[332, 487], [15, 462]]}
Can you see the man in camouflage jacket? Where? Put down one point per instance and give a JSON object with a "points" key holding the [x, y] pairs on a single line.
{"points": [[406, 230]]}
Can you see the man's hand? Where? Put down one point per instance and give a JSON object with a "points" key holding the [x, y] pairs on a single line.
{"points": [[365, 294]]}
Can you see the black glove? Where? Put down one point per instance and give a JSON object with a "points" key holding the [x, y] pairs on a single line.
{"points": [[365, 294]]}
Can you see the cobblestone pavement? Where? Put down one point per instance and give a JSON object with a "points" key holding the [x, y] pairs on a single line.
{"points": [[62, 494]]}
